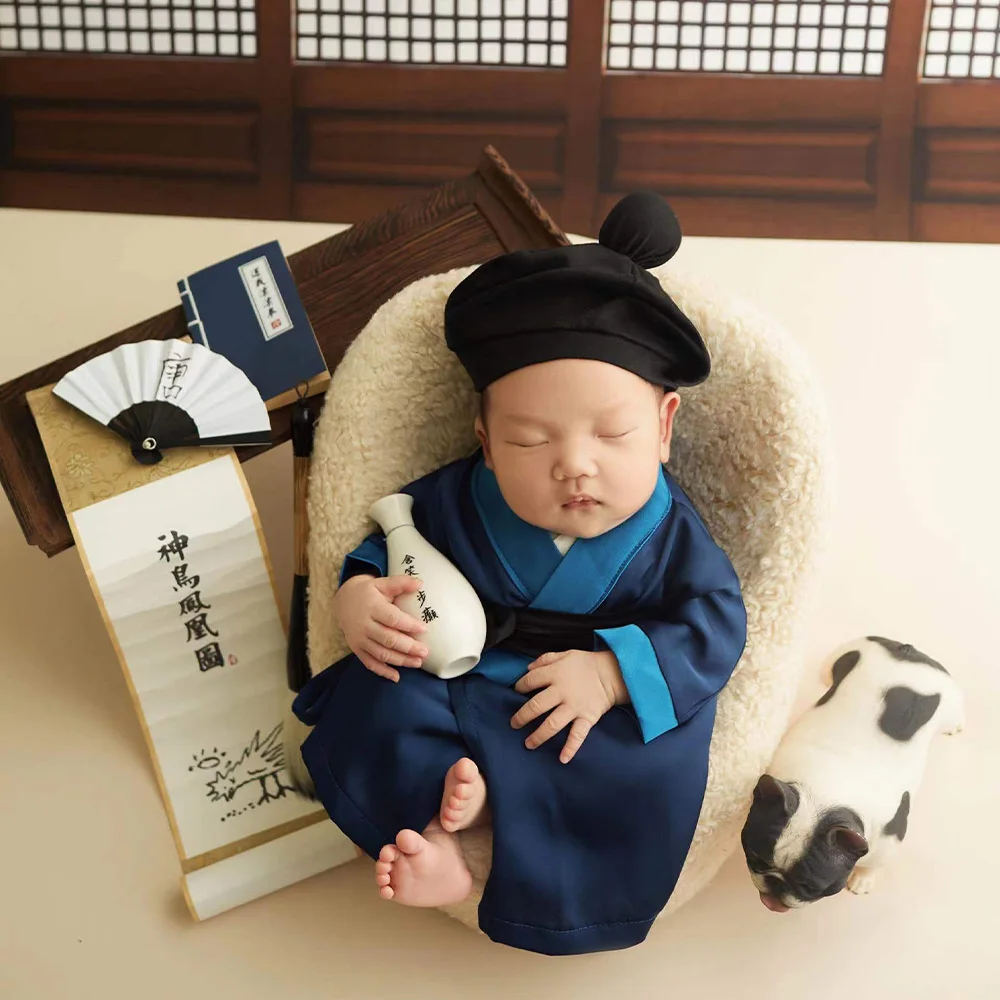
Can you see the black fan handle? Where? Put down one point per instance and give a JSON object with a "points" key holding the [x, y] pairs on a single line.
{"points": [[146, 452]]}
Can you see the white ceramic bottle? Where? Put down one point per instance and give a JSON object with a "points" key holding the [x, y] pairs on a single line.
{"points": [[448, 605]]}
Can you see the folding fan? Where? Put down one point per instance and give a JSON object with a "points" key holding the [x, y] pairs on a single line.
{"points": [[167, 394]]}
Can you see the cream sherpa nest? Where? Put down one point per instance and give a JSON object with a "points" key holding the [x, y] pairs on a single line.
{"points": [[750, 448]]}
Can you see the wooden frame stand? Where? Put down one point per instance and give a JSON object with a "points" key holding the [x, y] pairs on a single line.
{"points": [[342, 281]]}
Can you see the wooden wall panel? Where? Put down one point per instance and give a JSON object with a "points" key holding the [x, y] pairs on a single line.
{"points": [[956, 222], [430, 89], [133, 139], [958, 104], [959, 164], [704, 97], [767, 218], [421, 149], [136, 193], [137, 134], [135, 78], [746, 156], [956, 195], [739, 160]]}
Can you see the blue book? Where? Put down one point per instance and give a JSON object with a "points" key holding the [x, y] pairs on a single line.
{"points": [[248, 309]]}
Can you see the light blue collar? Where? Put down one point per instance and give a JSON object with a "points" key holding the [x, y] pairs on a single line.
{"points": [[578, 581]]}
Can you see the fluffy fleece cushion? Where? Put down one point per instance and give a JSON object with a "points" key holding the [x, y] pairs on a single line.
{"points": [[750, 449]]}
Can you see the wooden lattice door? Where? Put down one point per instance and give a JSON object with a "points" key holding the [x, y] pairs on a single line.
{"points": [[861, 119]]}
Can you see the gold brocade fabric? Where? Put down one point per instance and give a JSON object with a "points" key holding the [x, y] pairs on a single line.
{"points": [[91, 463]]}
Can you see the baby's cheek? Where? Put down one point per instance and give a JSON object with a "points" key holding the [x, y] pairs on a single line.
{"points": [[524, 499]]}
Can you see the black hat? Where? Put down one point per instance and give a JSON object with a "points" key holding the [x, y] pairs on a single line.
{"points": [[588, 300]]}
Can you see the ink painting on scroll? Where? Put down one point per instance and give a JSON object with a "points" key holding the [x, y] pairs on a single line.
{"points": [[188, 597]]}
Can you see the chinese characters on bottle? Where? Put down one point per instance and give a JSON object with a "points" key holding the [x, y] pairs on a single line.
{"points": [[427, 613]]}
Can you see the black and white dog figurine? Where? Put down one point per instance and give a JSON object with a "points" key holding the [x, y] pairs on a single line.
{"points": [[833, 807]]}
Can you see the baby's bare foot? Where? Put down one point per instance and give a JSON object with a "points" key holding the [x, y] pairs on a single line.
{"points": [[464, 801], [426, 870]]}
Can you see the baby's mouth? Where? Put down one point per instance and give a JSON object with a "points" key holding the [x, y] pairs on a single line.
{"points": [[580, 500]]}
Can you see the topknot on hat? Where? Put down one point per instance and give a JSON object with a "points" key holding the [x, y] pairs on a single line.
{"points": [[643, 227]]}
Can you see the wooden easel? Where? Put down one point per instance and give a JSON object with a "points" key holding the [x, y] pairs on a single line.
{"points": [[342, 281]]}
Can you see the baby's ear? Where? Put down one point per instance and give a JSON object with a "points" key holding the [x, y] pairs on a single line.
{"points": [[668, 407], [484, 440]]}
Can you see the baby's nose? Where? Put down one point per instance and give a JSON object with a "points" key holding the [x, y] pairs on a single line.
{"points": [[574, 464]]}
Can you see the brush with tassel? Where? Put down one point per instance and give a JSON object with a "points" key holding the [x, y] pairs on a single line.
{"points": [[297, 656]]}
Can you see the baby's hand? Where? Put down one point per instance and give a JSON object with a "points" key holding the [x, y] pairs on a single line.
{"points": [[376, 630], [577, 687]]}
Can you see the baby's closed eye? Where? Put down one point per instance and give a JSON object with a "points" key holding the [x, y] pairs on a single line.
{"points": [[603, 437]]}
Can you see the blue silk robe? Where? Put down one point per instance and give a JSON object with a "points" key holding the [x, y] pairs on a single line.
{"points": [[585, 854]]}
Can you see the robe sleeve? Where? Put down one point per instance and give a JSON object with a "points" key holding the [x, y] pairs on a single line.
{"points": [[675, 660], [370, 556]]}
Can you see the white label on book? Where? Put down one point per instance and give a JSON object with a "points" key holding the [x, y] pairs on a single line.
{"points": [[258, 279], [184, 581]]}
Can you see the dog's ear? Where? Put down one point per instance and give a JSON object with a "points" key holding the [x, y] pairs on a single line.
{"points": [[771, 791], [848, 841]]}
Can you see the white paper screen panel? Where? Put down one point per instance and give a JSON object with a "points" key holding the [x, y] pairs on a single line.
{"points": [[963, 39], [190, 28], [473, 32], [810, 37]]}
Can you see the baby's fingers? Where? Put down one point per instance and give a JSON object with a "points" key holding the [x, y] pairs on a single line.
{"points": [[577, 734], [395, 657], [395, 642], [558, 720], [546, 658], [533, 680], [394, 617], [390, 587], [539, 705], [378, 668]]}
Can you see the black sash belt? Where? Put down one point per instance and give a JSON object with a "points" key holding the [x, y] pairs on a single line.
{"points": [[531, 631]]}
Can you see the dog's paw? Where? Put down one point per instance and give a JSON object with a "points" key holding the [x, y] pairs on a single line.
{"points": [[861, 881]]}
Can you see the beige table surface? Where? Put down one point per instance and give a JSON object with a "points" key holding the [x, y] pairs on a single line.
{"points": [[907, 342]]}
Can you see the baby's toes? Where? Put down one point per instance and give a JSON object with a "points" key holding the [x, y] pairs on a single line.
{"points": [[463, 791], [388, 854], [383, 868], [383, 872], [386, 892], [466, 770]]}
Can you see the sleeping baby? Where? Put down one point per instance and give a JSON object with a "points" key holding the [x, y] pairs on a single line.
{"points": [[582, 735]]}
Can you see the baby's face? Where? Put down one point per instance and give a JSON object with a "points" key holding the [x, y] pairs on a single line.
{"points": [[563, 428]]}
